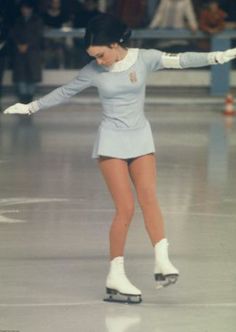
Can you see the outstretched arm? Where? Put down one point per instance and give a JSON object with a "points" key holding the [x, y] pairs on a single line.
{"points": [[196, 59], [57, 96]]}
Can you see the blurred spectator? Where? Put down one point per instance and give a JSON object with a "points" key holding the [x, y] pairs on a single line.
{"points": [[212, 18], [27, 38], [175, 14], [3, 48], [132, 12], [83, 14], [55, 17]]}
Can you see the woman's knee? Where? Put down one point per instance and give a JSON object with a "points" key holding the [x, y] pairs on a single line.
{"points": [[147, 197], [125, 211]]}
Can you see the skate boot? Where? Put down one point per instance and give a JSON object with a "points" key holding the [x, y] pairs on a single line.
{"points": [[165, 273], [118, 287]]}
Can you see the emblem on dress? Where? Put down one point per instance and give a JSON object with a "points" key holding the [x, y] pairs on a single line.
{"points": [[133, 77]]}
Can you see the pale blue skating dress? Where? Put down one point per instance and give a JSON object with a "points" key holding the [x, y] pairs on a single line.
{"points": [[124, 131]]}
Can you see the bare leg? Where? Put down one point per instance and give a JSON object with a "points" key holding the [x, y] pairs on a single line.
{"points": [[143, 173], [116, 174]]}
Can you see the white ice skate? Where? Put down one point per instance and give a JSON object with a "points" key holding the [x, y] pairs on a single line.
{"points": [[165, 273], [118, 286]]}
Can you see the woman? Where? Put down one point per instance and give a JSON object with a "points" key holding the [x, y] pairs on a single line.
{"points": [[124, 145]]}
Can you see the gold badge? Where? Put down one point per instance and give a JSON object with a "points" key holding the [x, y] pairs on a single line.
{"points": [[133, 77]]}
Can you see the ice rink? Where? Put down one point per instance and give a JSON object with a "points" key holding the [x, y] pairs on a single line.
{"points": [[55, 213]]}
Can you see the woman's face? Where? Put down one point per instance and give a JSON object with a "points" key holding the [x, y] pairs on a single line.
{"points": [[104, 55]]}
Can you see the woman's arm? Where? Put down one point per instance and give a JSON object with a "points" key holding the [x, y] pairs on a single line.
{"points": [[57, 96], [196, 59], [156, 60]]}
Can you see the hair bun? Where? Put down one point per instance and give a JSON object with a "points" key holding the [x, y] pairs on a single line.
{"points": [[126, 36]]}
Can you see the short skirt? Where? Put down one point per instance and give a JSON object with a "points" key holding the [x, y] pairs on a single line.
{"points": [[123, 143]]}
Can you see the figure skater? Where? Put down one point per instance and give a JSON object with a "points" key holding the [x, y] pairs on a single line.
{"points": [[124, 146]]}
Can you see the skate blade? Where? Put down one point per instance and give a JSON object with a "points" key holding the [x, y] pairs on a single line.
{"points": [[165, 280], [117, 297]]}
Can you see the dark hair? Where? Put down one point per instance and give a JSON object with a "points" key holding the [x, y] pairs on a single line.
{"points": [[105, 29]]}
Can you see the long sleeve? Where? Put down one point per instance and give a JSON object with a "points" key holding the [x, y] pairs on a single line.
{"points": [[152, 59], [194, 59], [156, 60], [197, 59], [63, 93]]}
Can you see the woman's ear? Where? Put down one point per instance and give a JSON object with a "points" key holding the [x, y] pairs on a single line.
{"points": [[114, 45]]}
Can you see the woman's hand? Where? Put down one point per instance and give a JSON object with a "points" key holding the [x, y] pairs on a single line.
{"points": [[222, 57], [18, 109], [229, 54]]}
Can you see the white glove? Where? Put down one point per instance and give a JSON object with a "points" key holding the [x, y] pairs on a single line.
{"points": [[18, 109], [23, 108], [222, 57]]}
